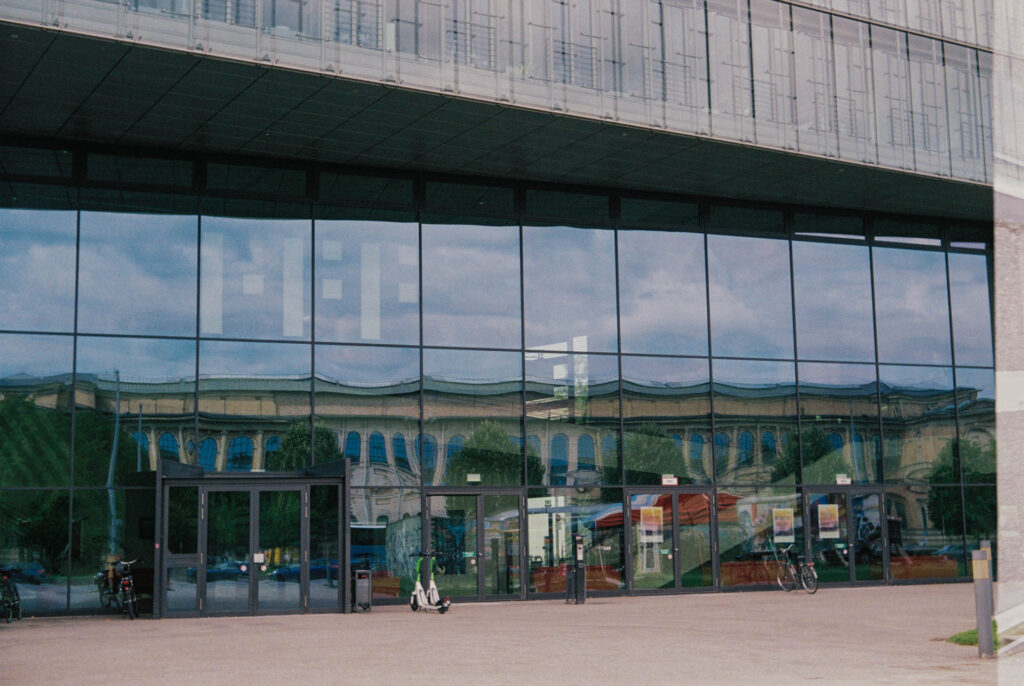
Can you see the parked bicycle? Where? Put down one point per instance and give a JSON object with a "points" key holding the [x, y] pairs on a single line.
{"points": [[116, 586], [10, 600], [790, 569]]}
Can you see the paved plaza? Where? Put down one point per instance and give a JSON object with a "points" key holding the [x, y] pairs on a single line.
{"points": [[875, 635]]}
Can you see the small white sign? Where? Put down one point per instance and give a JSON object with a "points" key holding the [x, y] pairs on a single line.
{"points": [[259, 558], [843, 480], [669, 480], [473, 478]]}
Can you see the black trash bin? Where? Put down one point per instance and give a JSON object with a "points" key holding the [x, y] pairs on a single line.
{"points": [[362, 593]]}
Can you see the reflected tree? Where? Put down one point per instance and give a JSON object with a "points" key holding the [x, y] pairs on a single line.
{"points": [[815, 446], [651, 452], [491, 452], [944, 505], [294, 453]]}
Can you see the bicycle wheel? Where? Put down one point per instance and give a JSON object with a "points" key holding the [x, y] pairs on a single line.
{"points": [[808, 578], [104, 597], [784, 575], [132, 603], [16, 600]]}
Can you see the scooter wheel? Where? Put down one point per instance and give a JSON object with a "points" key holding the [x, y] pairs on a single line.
{"points": [[441, 610], [413, 604]]}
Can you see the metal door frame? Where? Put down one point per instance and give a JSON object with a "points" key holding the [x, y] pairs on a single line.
{"points": [[851, 491]]}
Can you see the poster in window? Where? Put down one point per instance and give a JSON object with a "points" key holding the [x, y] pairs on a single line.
{"points": [[651, 524], [782, 525], [828, 521]]}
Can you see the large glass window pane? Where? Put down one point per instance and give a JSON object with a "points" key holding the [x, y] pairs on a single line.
{"points": [[729, 54], [37, 270], [679, 74], [892, 97], [129, 265], [476, 397], [839, 418], [911, 306], [502, 527], [386, 527], [832, 287], [35, 410], [662, 292], [361, 392], [963, 93], [665, 405], [751, 307], [453, 536], [280, 541], [918, 423], [980, 513], [855, 99], [254, 278], [569, 284], [815, 82], [925, 532], [555, 516], [976, 415], [774, 77], [324, 547], [928, 97], [249, 392], [471, 286], [154, 382], [972, 309], [569, 395], [367, 282], [34, 532], [746, 533], [227, 551], [753, 398]]}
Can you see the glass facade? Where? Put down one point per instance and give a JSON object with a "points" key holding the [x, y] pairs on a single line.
{"points": [[895, 83], [496, 383]]}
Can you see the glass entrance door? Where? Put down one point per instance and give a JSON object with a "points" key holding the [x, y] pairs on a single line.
{"points": [[846, 534], [670, 539], [478, 540]]}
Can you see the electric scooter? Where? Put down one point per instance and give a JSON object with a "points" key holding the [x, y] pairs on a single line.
{"points": [[427, 600]]}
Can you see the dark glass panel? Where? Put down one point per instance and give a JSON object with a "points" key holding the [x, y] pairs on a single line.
{"points": [[838, 409], [981, 514], [255, 390], [453, 536], [386, 528], [866, 536], [926, 532], [911, 232], [19, 161], [227, 551], [37, 270], [459, 198], [832, 288], [181, 590], [120, 200], [34, 535], [39, 197], [569, 286], [753, 397], [658, 214], [349, 189], [109, 526], [471, 286], [664, 399], [257, 180], [976, 416], [555, 516], [473, 404], [733, 218], [653, 540], [828, 527], [918, 424], [123, 169], [972, 309], [183, 520], [751, 310], [911, 306], [153, 380], [838, 226], [129, 264], [361, 392], [662, 293], [324, 547], [35, 410], [568, 208], [571, 394], [502, 528], [259, 209], [367, 287], [280, 542], [747, 540], [254, 278]]}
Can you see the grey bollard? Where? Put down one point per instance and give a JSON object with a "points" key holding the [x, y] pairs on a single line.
{"points": [[986, 547], [982, 602]]}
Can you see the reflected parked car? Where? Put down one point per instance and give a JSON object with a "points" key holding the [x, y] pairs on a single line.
{"points": [[26, 572], [223, 571], [318, 569]]}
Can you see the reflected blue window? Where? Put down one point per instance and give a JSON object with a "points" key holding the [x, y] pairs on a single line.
{"points": [[835, 440], [609, 449], [455, 444], [677, 439], [697, 453], [377, 448], [768, 450], [353, 447], [745, 445], [533, 444], [191, 446], [721, 452], [858, 454], [398, 448], [168, 446], [271, 447], [559, 459], [208, 454], [143, 440], [585, 452], [876, 443], [239, 454], [426, 451]]}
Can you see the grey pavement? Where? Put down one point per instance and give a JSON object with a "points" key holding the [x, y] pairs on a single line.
{"points": [[875, 635]]}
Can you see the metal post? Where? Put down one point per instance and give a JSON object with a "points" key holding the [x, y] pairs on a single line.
{"points": [[986, 547], [982, 602]]}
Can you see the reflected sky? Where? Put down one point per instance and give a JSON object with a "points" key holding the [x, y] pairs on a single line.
{"points": [[37, 356], [569, 284], [471, 286], [755, 374], [138, 359], [972, 314], [832, 285], [362, 366], [751, 311], [472, 366], [664, 371], [662, 292], [128, 263], [224, 358], [911, 306], [37, 270]]}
